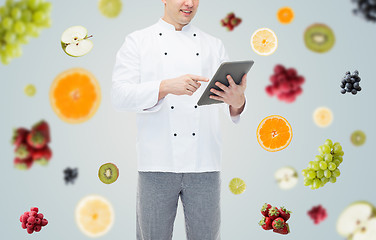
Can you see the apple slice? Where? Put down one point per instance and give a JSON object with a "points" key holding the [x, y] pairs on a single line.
{"points": [[366, 231], [286, 177], [354, 217], [75, 42]]}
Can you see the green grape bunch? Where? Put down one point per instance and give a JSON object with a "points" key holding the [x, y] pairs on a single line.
{"points": [[324, 168], [20, 20]]}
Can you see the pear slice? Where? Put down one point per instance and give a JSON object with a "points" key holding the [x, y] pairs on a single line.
{"points": [[354, 217], [286, 177], [367, 231], [75, 42]]}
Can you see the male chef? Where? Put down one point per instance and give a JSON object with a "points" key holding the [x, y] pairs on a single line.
{"points": [[160, 73]]}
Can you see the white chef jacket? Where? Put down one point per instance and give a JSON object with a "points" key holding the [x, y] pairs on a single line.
{"points": [[174, 134]]}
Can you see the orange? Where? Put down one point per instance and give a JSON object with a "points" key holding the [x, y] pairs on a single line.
{"points": [[75, 95], [264, 42], [274, 133], [285, 15]]}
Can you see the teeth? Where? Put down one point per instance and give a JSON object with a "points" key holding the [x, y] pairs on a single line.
{"points": [[186, 11]]}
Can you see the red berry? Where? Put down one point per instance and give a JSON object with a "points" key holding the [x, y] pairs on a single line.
{"points": [[33, 213], [30, 230], [31, 219], [299, 91], [279, 69], [301, 80], [29, 225], [24, 225], [40, 215], [285, 87], [291, 72], [24, 218], [269, 90], [35, 209], [44, 222], [281, 78], [38, 221], [37, 228], [273, 79], [26, 213]]}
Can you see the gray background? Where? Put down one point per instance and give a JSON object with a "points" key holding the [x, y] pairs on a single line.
{"points": [[110, 136]]}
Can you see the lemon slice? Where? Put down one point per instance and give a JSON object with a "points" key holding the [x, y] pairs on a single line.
{"points": [[110, 8], [237, 186], [264, 42], [322, 116], [94, 215]]}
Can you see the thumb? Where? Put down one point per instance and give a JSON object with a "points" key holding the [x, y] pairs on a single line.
{"points": [[244, 80]]}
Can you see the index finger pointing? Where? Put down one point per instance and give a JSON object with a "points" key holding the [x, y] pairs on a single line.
{"points": [[198, 78]]}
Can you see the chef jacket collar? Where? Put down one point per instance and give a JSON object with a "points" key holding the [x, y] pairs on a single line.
{"points": [[171, 27]]}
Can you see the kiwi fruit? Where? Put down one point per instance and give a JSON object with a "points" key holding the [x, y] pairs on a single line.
{"points": [[108, 173], [358, 138], [319, 38]]}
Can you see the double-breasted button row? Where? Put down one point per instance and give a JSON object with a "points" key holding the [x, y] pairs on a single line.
{"points": [[172, 107], [193, 134]]}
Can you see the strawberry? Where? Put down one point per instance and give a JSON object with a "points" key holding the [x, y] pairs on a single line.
{"points": [[23, 151], [273, 213], [265, 209], [284, 230], [278, 223], [36, 139], [23, 164], [42, 156], [231, 15], [19, 136], [266, 223], [284, 213], [43, 127]]}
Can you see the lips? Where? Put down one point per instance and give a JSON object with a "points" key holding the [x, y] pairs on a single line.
{"points": [[186, 12]]}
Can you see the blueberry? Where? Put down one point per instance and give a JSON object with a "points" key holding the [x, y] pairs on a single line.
{"points": [[347, 73], [343, 91], [352, 80], [356, 85], [359, 89], [349, 85], [348, 90], [343, 81], [342, 85], [356, 72], [354, 92], [358, 79]]}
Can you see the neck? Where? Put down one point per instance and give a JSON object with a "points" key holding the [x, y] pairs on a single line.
{"points": [[178, 26]]}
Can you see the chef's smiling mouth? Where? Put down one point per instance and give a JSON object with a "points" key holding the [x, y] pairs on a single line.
{"points": [[185, 11]]}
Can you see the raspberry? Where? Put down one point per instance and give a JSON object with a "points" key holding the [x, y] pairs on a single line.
{"points": [[278, 69], [44, 222], [291, 72], [29, 225], [31, 219], [38, 221], [24, 218], [26, 213], [30, 230], [23, 225], [35, 209], [33, 213], [269, 90], [37, 228], [40, 215], [317, 214]]}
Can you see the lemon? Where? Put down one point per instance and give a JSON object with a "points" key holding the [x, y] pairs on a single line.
{"points": [[237, 186], [264, 42], [94, 215], [322, 116]]}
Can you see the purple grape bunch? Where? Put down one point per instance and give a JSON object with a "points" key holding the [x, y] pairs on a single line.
{"points": [[350, 83], [366, 9]]}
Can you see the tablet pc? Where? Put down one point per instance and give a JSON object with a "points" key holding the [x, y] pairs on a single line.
{"points": [[236, 69]]}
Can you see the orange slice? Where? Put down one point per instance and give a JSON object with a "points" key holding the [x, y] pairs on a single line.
{"points": [[274, 133], [264, 42], [75, 95], [94, 215], [285, 15]]}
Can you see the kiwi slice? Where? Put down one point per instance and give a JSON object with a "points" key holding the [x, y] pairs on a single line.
{"points": [[358, 138], [319, 38], [108, 173]]}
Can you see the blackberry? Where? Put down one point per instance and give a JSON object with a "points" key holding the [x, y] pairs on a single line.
{"points": [[70, 175]]}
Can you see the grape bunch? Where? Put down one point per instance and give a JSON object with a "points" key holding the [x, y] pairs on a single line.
{"points": [[350, 83], [324, 168], [18, 22], [286, 84], [366, 9]]}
